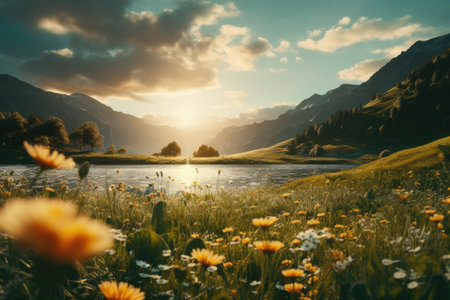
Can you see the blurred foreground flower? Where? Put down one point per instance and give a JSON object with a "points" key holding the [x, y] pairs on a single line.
{"points": [[52, 229], [207, 257], [47, 161], [120, 291], [293, 287]]}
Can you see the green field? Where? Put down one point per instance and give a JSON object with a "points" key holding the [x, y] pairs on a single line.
{"points": [[376, 232]]}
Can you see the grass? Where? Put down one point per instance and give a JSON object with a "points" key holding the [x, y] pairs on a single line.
{"points": [[275, 154], [372, 237]]}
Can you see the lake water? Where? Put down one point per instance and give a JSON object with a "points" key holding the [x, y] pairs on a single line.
{"points": [[179, 177]]}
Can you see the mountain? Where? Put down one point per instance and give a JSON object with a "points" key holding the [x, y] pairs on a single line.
{"points": [[415, 111], [118, 128], [319, 108]]}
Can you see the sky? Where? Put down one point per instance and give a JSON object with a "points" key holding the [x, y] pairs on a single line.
{"points": [[190, 63]]}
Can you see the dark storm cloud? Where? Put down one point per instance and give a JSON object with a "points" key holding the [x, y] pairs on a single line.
{"points": [[100, 48]]}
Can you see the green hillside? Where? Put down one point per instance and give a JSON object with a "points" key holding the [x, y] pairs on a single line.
{"points": [[414, 112]]}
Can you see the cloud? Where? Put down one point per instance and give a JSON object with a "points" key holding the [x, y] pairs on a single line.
{"points": [[112, 51], [298, 58], [285, 47], [284, 59], [314, 33], [363, 30], [394, 51], [344, 21], [363, 70]]}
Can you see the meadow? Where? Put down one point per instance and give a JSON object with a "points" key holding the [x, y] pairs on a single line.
{"points": [[375, 232]]}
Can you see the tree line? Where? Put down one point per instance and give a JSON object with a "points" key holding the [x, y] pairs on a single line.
{"points": [[49, 132], [173, 149]]}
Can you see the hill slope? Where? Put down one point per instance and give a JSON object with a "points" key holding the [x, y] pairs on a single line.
{"points": [[416, 111], [318, 108], [118, 128]]}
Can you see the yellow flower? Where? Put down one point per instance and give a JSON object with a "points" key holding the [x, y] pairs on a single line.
{"points": [[49, 189], [228, 265], [195, 235], [219, 240], [320, 215], [286, 262], [302, 213], [338, 226], [292, 273], [446, 200], [313, 222], [294, 222], [207, 257], [285, 195], [436, 218], [245, 241], [293, 287], [120, 291], [53, 229], [268, 246], [296, 242], [337, 255], [228, 230], [430, 212], [286, 214], [404, 195], [264, 222], [296, 202], [41, 155], [383, 221], [236, 238]]}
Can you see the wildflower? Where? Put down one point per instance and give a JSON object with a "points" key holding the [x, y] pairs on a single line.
{"points": [[317, 206], [446, 200], [49, 189], [399, 274], [388, 262], [313, 222], [207, 257], [142, 264], [320, 215], [228, 230], [219, 240], [286, 262], [195, 235], [296, 202], [293, 287], [286, 214], [53, 229], [413, 224], [430, 211], [264, 222], [227, 265], [436, 218], [383, 221], [245, 241], [338, 226], [307, 245], [292, 273], [41, 155], [403, 195], [296, 242], [285, 195], [268, 246], [294, 222], [235, 238], [120, 291]]}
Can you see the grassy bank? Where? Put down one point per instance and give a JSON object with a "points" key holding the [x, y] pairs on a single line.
{"points": [[377, 232]]}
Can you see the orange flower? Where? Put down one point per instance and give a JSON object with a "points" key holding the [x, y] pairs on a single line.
{"points": [[286, 214], [383, 221], [286, 262], [207, 257], [313, 222], [337, 255], [264, 222], [436, 218], [122, 291], [245, 241], [320, 215], [52, 228], [292, 273], [268, 246], [293, 287], [285, 195], [228, 230], [430, 212], [302, 213], [228, 265], [338, 226], [41, 155]]}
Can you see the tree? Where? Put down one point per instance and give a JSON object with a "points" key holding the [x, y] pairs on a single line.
{"points": [[172, 149], [90, 135], [291, 148], [205, 151], [54, 129], [111, 149], [76, 139], [122, 150], [13, 128]]}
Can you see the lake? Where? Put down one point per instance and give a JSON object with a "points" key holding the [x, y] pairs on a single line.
{"points": [[179, 177]]}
